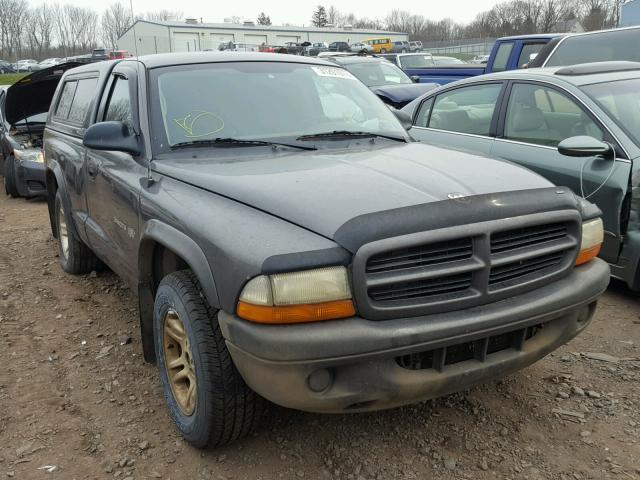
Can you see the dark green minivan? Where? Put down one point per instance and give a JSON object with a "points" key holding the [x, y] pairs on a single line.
{"points": [[577, 126]]}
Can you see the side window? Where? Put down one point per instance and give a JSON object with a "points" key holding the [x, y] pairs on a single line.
{"points": [[66, 97], [544, 116], [502, 57], [423, 114], [119, 106], [529, 49], [466, 110], [85, 91]]}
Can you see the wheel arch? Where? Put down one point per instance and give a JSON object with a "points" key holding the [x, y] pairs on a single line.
{"points": [[163, 250]]}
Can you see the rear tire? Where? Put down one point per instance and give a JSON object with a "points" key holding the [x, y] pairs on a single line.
{"points": [[74, 255], [10, 186], [383, 50], [206, 397]]}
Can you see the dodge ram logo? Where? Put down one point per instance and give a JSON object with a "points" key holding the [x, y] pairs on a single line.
{"points": [[457, 197]]}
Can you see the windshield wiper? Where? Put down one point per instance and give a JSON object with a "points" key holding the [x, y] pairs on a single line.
{"points": [[232, 142], [348, 133]]}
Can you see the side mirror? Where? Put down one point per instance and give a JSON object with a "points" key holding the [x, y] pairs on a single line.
{"points": [[405, 120], [415, 78], [111, 136], [584, 146]]}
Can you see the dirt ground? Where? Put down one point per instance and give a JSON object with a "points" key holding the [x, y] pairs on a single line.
{"points": [[78, 402]]}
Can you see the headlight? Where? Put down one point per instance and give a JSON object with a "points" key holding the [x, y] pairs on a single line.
{"points": [[592, 238], [31, 155], [297, 297]]}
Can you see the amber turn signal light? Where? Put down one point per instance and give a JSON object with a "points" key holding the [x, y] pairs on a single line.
{"points": [[296, 313]]}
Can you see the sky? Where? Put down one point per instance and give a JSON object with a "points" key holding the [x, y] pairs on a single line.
{"points": [[298, 12]]}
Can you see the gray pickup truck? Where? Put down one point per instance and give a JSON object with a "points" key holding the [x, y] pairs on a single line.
{"points": [[288, 240]]}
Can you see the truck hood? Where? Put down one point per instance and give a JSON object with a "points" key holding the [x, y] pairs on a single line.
{"points": [[321, 190], [33, 94], [402, 94]]}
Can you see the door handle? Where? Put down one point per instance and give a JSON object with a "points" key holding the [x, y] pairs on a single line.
{"points": [[92, 167]]}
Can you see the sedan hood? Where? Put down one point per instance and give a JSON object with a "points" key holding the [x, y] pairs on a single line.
{"points": [[321, 190], [33, 94], [400, 95]]}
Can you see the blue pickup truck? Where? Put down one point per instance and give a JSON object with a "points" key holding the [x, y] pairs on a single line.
{"points": [[508, 53]]}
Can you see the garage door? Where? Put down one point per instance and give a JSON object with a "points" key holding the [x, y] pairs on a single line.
{"points": [[255, 39], [282, 39], [185, 42], [215, 39]]}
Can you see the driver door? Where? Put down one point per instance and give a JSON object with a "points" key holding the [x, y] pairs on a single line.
{"points": [[113, 181], [536, 118]]}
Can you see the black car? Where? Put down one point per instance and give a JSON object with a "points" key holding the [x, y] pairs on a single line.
{"points": [[339, 47], [24, 108], [318, 258], [391, 84], [6, 67]]}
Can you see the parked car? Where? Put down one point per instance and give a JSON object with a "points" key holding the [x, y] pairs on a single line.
{"points": [[116, 54], [415, 46], [315, 48], [598, 46], [26, 66], [23, 112], [542, 111], [6, 67], [361, 47], [295, 48], [339, 47], [319, 257], [100, 54], [380, 45], [392, 85], [266, 48], [409, 61], [401, 47], [508, 53], [483, 59], [49, 62]]}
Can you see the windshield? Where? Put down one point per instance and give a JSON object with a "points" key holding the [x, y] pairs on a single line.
{"points": [[262, 101], [416, 61], [597, 47], [375, 74], [621, 101]]}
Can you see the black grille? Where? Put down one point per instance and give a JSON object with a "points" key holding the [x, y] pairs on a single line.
{"points": [[463, 266], [517, 270], [526, 237], [421, 288], [421, 256], [477, 350]]}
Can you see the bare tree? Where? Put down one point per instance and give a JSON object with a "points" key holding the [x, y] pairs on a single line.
{"points": [[164, 16], [115, 21]]}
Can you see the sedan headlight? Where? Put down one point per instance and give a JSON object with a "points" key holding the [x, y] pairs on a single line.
{"points": [[592, 238], [297, 297], [30, 155]]}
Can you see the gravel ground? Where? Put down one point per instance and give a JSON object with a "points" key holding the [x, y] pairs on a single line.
{"points": [[78, 402]]}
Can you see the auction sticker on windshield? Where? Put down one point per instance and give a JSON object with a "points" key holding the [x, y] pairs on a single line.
{"points": [[326, 71]]}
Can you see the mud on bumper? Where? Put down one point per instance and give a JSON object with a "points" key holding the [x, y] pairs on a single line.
{"points": [[360, 365]]}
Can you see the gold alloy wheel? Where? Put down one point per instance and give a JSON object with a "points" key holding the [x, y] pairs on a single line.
{"points": [[179, 363], [63, 234]]}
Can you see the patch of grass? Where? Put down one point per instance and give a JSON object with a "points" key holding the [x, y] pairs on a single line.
{"points": [[10, 78]]}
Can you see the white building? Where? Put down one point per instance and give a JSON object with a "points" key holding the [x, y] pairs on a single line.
{"points": [[189, 36]]}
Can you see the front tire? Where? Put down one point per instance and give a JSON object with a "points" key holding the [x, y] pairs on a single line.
{"points": [[206, 397], [10, 185], [74, 255]]}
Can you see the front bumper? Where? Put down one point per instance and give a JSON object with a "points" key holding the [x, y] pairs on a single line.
{"points": [[30, 178], [359, 365]]}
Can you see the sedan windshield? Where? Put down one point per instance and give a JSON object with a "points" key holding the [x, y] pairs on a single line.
{"points": [[262, 101], [376, 74], [621, 100], [416, 61]]}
